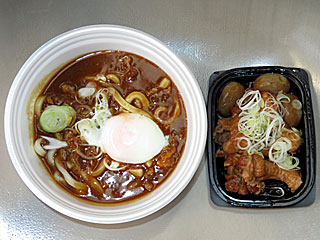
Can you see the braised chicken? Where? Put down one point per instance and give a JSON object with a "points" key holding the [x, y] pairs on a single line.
{"points": [[250, 159], [247, 172]]}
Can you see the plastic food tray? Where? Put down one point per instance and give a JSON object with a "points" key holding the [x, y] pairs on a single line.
{"points": [[277, 193]]}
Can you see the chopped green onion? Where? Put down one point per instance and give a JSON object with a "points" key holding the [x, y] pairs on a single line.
{"points": [[251, 101], [298, 132], [289, 163], [248, 143], [90, 128], [296, 104], [262, 125], [278, 152], [283, 98], [56, 118]]}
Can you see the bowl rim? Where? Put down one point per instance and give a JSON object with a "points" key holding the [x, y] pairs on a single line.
{"points": [[10, 141]]}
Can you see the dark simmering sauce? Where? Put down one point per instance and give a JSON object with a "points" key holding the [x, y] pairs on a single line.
{"points": [[136, 74]]}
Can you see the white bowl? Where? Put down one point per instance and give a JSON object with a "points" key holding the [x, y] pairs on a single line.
{"points": [[61, 49]]}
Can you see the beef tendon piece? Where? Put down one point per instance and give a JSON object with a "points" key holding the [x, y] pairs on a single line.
{"points": [[220, 135], [224, 128], [237, 185]]}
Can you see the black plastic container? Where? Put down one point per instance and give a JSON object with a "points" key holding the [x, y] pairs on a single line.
{"points": [[277, 193]]}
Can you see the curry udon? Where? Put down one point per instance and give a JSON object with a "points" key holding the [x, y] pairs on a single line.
{"points": [[110, 126]]}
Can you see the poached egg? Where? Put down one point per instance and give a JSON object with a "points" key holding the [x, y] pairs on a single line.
{"points": [[131, 138], [126, 137]]}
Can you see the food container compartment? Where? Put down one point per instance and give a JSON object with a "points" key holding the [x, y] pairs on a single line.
{"points": [[277, 193]]}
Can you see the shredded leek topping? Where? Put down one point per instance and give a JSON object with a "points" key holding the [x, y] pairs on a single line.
{"points": [[262, 125], [278, 153], [251, 101], [90, 128], [283, 98], [54, 143]]}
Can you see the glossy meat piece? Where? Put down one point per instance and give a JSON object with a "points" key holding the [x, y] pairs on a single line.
{"points": [[253, 169], [220, 135], [294, 138], [241, 174], [290, 177], [226, 134]]}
